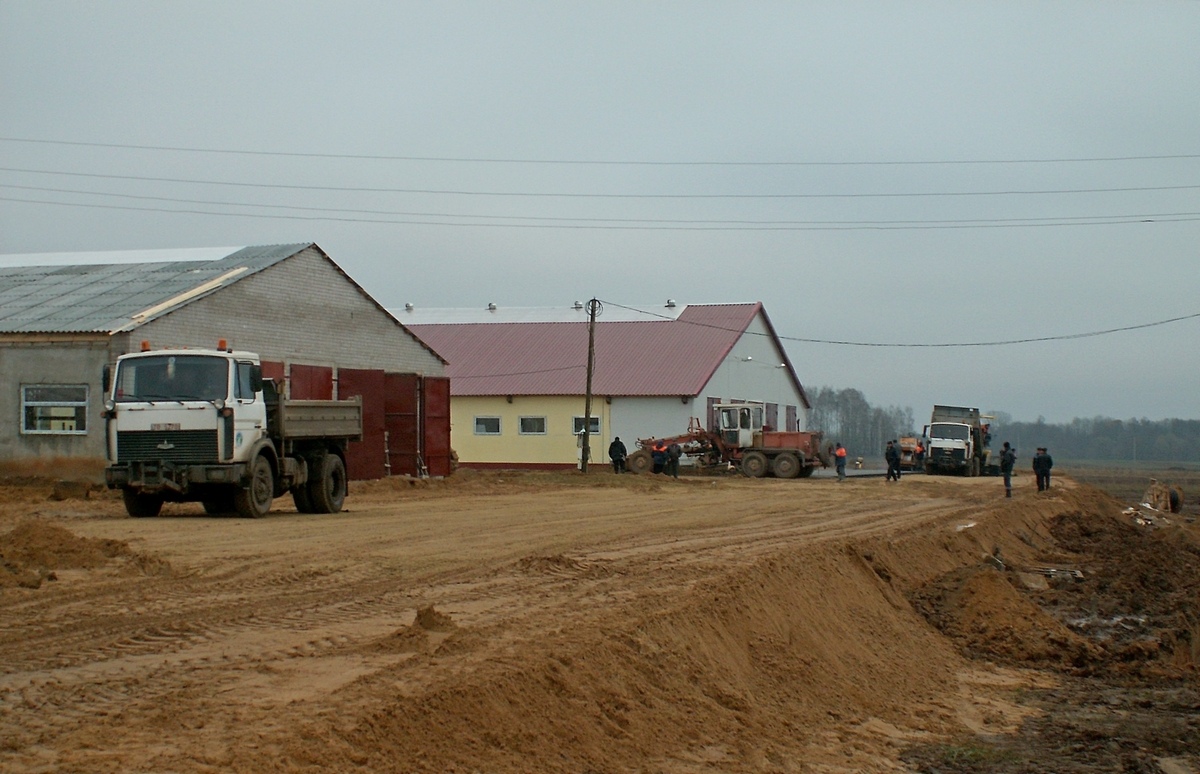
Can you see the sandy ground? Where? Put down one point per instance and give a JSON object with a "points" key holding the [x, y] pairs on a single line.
{"points": [[524, 622]]}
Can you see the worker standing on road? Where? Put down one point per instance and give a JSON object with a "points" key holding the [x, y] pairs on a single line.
{"points": [[1008, 457], [659, 455], [839, 461], [919, 455], [617, 453], [1041, 468], [892, 455], [674, 452]]}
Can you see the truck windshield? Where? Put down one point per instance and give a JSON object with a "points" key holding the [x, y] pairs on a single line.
{"points": [[951, 432], [172, 377]]}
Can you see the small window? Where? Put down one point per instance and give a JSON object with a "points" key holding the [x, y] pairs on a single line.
{"points": [[487, 425], [54, 409], [533, 426], [593, 429], [244, 387]]}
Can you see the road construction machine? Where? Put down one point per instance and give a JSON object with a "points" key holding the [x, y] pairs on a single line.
{"points": [[741, 442]]}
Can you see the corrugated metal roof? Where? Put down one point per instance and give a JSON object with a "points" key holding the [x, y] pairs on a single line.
{"points": [[655, 357], [110, 292]]}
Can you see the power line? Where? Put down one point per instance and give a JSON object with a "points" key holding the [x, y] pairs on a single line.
{"points": [[844, 343], [1133, 219], [548, 194], [730, 223], [596, 162]]}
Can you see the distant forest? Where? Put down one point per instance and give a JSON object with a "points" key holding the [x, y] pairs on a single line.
{"points": [[845, 416]]}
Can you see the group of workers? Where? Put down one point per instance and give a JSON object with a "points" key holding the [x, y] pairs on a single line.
{"points": [[666, 461], [665, 457]]}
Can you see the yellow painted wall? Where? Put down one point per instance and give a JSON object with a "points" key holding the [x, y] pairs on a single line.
{"points": [[559, 446]]}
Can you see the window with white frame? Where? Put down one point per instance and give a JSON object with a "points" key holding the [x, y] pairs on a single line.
{"points": [[487, 425], [54, 409], [593, 428], [532, 426]]}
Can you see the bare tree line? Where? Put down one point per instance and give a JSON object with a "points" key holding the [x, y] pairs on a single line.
{"points": [[847, 418]]}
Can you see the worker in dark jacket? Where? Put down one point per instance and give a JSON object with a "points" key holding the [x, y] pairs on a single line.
{"points": [[892, 455], [1041, 468], [659, 455], [674, 452], [1008, 458], [617, 453]]}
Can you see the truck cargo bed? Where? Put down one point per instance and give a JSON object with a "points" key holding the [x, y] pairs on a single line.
{"points": [[300, 419]]}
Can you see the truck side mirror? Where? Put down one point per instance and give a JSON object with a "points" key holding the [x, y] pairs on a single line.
{"points": [[105, 378], [256, 378]]}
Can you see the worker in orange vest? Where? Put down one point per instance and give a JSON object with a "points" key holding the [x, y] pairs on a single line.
{"points": [[839, 461], [659, 455]]}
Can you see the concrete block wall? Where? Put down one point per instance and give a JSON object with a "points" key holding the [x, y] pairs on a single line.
{"points": [[300, 310]]}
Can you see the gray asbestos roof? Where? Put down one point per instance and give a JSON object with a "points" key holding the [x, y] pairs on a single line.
{"points": [[114, 292]]}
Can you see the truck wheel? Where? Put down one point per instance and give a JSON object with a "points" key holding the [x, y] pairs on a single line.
{"points": [[639, 462], [754, 464], [301, 499], [974, 466], [141, 506], [807, 471], [785, 465], [327, 491], [254, 501]]}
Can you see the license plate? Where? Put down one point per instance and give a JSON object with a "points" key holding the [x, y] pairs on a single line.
{"points": [[165, 426]]}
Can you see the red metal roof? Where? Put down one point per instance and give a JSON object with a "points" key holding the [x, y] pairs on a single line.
{"points": [[653, 357]]}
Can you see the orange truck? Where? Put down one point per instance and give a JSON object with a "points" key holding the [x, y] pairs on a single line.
{"points": [[908, 452]]}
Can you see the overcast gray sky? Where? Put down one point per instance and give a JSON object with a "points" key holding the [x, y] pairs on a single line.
{"points": [[883, 173]]}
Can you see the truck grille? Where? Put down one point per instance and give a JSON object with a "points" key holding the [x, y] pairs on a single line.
{"points": [[173, 445]]}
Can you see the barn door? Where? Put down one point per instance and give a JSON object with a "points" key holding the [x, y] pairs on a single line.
{"points": [[435, 425], [365, 459], [402, 401]]}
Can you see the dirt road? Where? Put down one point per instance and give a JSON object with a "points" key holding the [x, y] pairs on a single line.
{"points": [[514, 623]]}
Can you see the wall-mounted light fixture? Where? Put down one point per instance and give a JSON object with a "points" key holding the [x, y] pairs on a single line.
{"points": [[508, 398]]}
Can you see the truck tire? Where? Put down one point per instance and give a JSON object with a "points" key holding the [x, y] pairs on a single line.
{"points": [[254, 501], [301, 499], [974, 467], [807, 471], [754, 464], [141, 506], [639, 462], [327, 490], [786, 465]]}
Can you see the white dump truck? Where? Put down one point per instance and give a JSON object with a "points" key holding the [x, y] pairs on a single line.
{"points": [[958, 441], [187, 425]]}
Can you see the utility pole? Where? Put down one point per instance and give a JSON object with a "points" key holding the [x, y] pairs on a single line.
{"points": [[593, 308]]}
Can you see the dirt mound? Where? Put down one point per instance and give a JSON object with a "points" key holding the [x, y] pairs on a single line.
{"points": [[989, 617], [33, 550], [1117, 597]]}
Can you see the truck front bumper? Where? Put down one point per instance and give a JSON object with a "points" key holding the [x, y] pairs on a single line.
{"points": [[162, 475]]}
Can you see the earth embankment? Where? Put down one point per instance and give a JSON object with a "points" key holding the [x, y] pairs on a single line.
{"points": [[513, 623]]}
